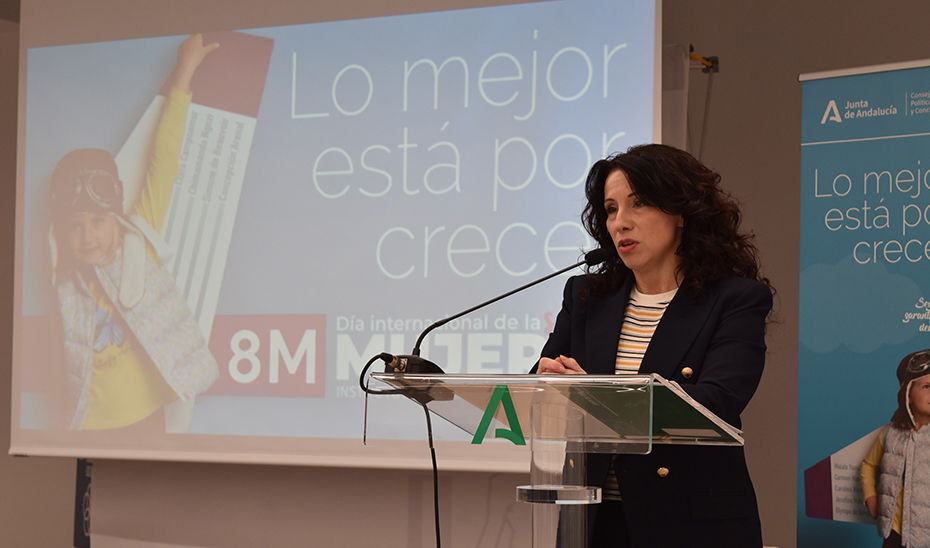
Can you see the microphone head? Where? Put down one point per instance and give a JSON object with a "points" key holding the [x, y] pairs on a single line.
{"points": [[596, 256]]}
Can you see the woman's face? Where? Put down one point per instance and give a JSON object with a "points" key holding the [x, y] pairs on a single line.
{"points": [[646, 237], [92, 237]]}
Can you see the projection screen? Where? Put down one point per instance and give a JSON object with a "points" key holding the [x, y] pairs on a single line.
{"points": [[330, 190]]}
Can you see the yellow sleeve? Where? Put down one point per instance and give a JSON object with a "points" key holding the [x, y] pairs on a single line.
{"points": [[871, 466], [162, 170]]}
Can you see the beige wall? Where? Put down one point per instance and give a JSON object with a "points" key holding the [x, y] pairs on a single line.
{"points": [[753, 140], [36, 494]]}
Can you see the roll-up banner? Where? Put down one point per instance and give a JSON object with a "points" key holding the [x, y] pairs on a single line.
{"points": [[864, 294]]}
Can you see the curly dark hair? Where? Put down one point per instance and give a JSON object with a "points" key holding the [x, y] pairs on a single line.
{"points": [[712, 246]]}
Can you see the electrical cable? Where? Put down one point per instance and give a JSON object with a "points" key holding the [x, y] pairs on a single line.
{"points": [[384, 356], [429, 434], [361, 382], [710, 65], [432, 451], [704, 124], [413, 362]]}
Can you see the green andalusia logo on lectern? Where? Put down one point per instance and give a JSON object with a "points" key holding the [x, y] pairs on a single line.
{"points": [[501, 396]]}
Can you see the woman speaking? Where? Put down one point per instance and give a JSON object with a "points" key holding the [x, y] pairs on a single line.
{"points": [[682, 296]]}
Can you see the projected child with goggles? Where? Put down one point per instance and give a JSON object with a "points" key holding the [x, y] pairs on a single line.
{"points": [[131, 344]]}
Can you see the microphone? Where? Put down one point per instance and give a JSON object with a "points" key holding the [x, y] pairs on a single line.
{"points": [[597, 256], [413, 363]]}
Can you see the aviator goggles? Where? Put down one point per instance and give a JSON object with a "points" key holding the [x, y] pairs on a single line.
{"points": [[919, 362], [89, 188]]}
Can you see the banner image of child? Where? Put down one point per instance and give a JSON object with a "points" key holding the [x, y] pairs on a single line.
{"points": [[896, 472], [131, 344]]}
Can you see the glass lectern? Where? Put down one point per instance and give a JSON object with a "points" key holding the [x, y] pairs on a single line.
{"points": [[563, 418]]}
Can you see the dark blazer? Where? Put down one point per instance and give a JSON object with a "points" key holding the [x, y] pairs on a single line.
{"points": [[706, 498]]}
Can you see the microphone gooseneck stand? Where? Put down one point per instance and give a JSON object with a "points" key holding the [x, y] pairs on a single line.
{"points": [[414, 364]]}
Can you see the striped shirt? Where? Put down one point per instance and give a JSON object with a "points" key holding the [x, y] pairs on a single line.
{"points": [[640, 320]]}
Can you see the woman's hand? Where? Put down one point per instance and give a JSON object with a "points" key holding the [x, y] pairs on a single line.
{"points": [[191, 53], [872, 504], [562, 365]]}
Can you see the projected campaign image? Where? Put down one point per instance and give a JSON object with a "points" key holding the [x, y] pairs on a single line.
{"points": [[218, 231]]}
